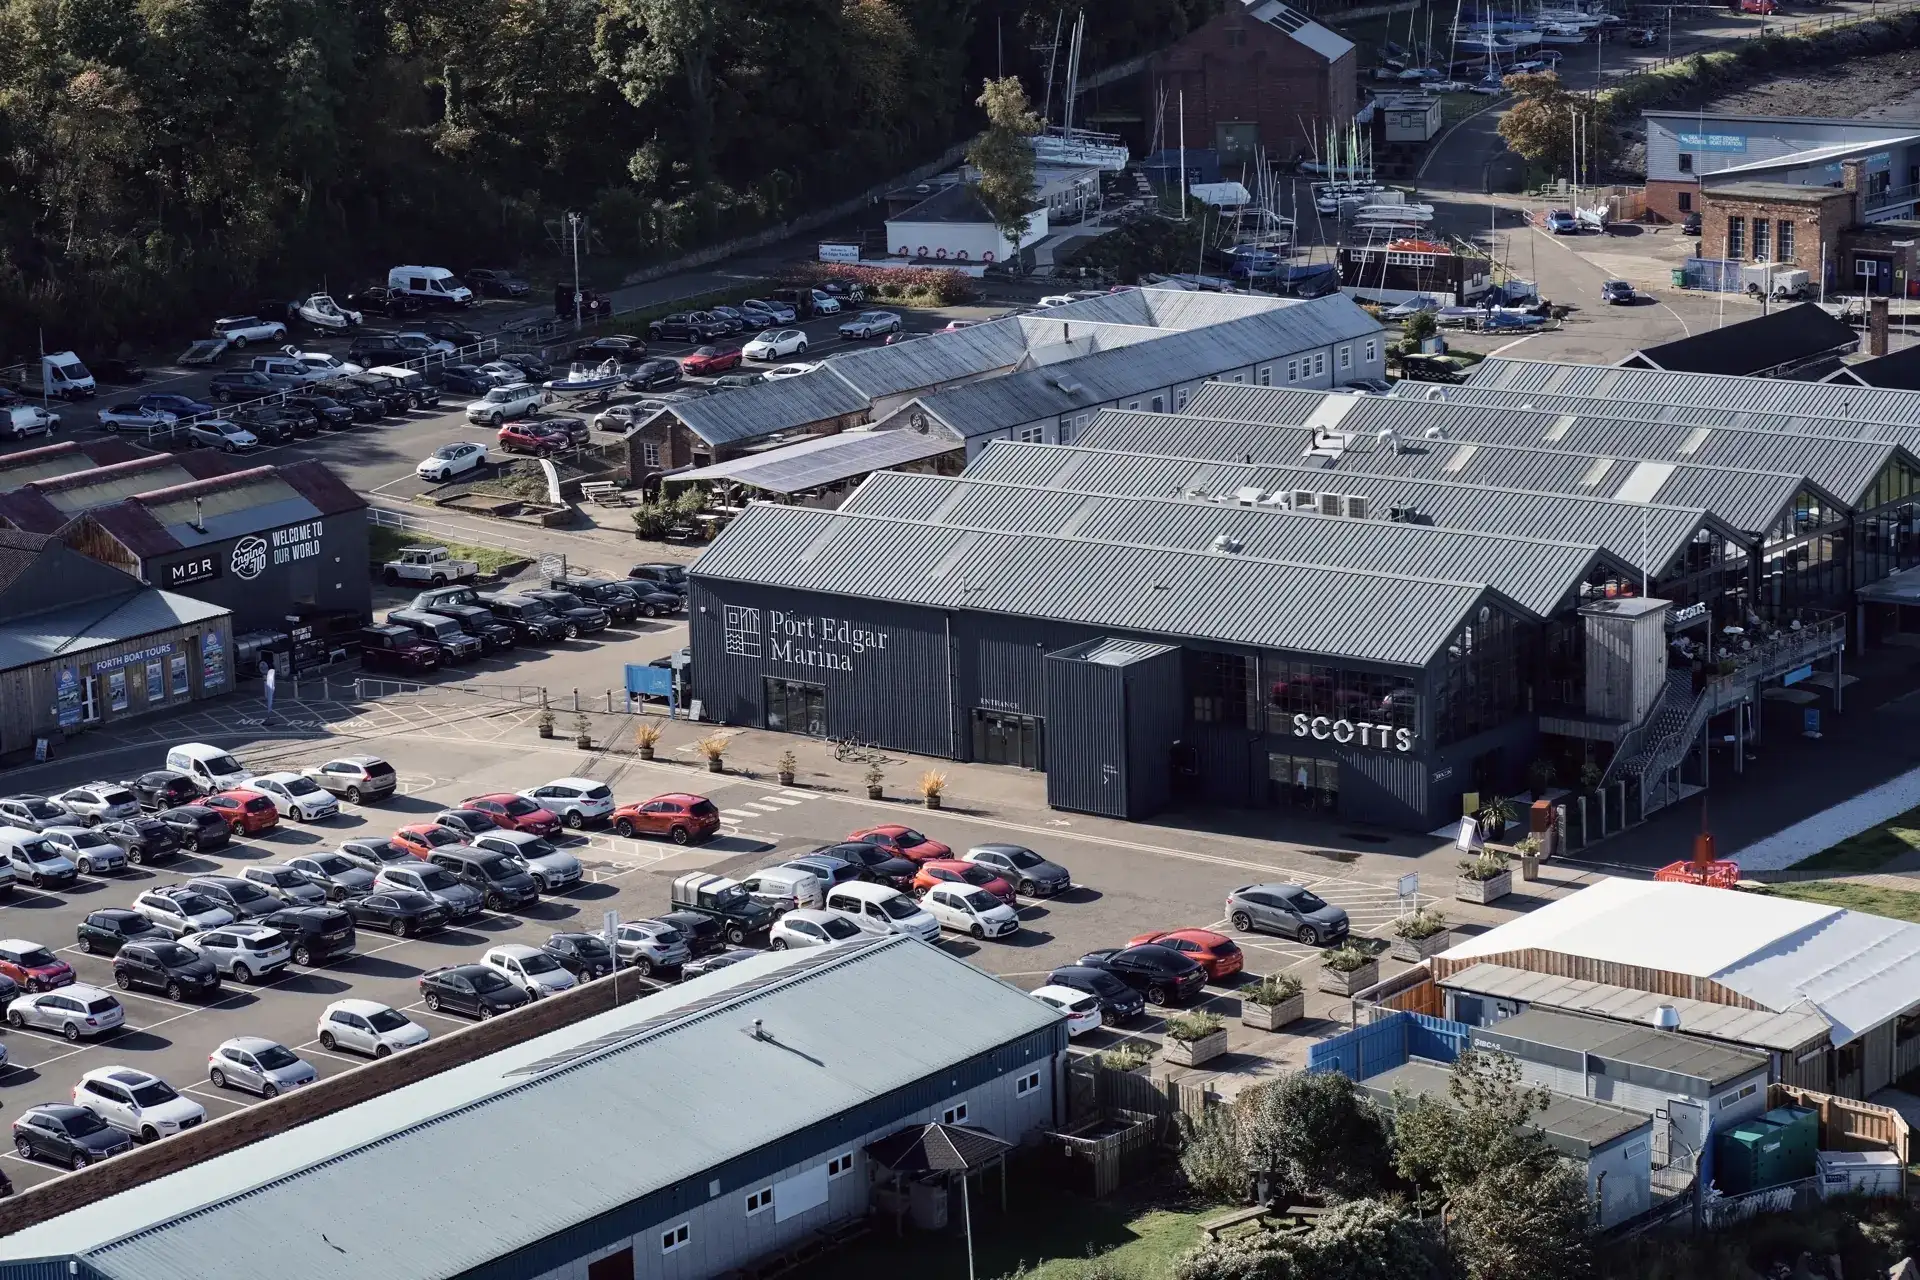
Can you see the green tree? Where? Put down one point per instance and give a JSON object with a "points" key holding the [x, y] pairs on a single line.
{"points": [[1541, 124], [1442, 1147], [1359, 1240], [1316, 1135], [1524, 1221], [1004, 157], [1212, 1154]]}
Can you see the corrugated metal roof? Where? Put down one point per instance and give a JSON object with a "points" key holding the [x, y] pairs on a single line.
{"points": [[1717, 1064], [1822, 156], [527, 1153], [1635, 533], [1574, 1126], [77, 628], [995, 404], [1710, 390], [753, 413], [1536, 575], [823, 460], [982, 349], [1110, 652], [1169, 308], [62, 458], [1785, 1032], [1399, 619], [1858, 970]]}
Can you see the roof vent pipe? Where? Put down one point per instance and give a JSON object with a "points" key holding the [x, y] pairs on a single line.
{"points": [[1666, 1018], [199, 516]]}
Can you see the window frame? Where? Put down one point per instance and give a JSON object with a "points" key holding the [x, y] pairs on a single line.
{"points": [[840, 1166], [1026, 1084], [676, 1238], [955, 1114], [758, 1202]]}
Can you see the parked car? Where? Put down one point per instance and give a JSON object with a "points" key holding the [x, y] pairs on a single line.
{"points": [[764, 312], [239, 332], [490, 282], [325, 411], [243, 952], [1288, 909], [258, 1065], [789, 371], [137, 1102], [812, 928], [98, 802], [652, 601], [297, 796], [33, 967], [32, 813], [1690, 226], [660, 575], [580, 617], [501, 403], [1029, 873], [104, 932], [622, 347], [653, 374], [66, 1135], [221, 434], [165, 966], [384, 648], [529, 968], [247, 811], [875, 863], [285, 885], [402, 912], [776, 344], [1218, 954], [316, 934], [828, 870], [88, 849], [178, 405], [584, 955], [246, 900], [689, 326], [465, 823], [786, 888], [467, 379], [1082, 1010], [600, 593], [1617, 293], [705, 934], [515, 813], [552, 868], [356, 779], [377, 853], [367, 1027], [525, 437], [704, 362], [501, 882], [162, 789], [114, 369], [35, 859], [462, 901], [1161, 974], [493, 634], [650, 946], [678, 816], [231, 385], [337, 875], [886, 907], [724, 900], [530, 619], [177, 911], [195, 826], [578, 801], [134, 417], [970, 910], [871, 324], [903, 842], [451, 460], [471, 989], [938, 871], [441, 632], [422, 838], [78, 1012], [1561, 222]]}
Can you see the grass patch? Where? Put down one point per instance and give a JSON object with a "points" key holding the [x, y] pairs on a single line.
{"points": [[1137, 1233], [1896, 904], [523, 480], [1871, 849], [384, 544]]}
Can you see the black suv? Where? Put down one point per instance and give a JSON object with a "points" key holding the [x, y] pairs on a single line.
{"points": [[322, 411], [580, 617], [196, 827], [379, 300], [616, 346], [274, 425], [530, 619], [230, 385], [66, 1135], [619, 606], [245, 900], [144, 838], [472, 989], [873, 862], [107, 930], [401, 912], [689, 326], [666, 576], [651, 375], [396, 649], [703, 933], [165, 965], [163, 789], [653, 600], [1118, 1001], [378, 349], [498, 878], [318, 934], [584, 955], [479, 623], [1161, 974], [491, 282], [394, 398], [453, 644]]}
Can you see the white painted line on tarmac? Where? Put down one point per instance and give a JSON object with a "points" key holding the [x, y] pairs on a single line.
{"points": [[313, 1047], [778, 800], [737, 814], [800, 795]]}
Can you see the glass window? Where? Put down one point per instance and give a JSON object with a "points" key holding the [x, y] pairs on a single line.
{"points": [[1686, 202], [1303, 782], [1761, 239], [1373, 350], [1477, 682], [1005, 737], [1293, 371], [1346, 357], [1786, 239], [1736, 237], [1221, 686], [1266, 375], [1319, 363], [1033, 434], [794, 706], [1686, 162]]}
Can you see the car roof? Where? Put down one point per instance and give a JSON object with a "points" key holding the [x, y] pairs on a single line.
{"points": [[250, 1044], [815, 916], [1206, 937], [515, 950], [588, 783], [511, 837], [686, 796], [1273, 886], [1059, 992], [867, 891], [17, 944], [121, 1075], [282, 776], [358, 1006]]}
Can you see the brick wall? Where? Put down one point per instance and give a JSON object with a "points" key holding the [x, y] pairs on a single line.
{"points": [[1239, 70], [1664, 198], [230, 1133], [1814, 225]]}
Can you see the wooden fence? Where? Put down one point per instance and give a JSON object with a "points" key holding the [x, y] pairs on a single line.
{"points": [[1094, 1089], [1848, 1125]]}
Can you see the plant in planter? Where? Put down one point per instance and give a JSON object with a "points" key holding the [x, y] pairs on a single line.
{"points": [[932, 783], [875, 777], [1195, 1038], [785, 766], [582, 731], [1273, 1002], [1128, 1055], [1590, 775], [1348, 968], [1496, 815], [546, 722], [1484, 878], [1540, 776], [1419, 934], [646, 735], [713, 747]]}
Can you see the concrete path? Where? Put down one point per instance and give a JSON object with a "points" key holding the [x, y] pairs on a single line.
{"points": [[1830, 826]]}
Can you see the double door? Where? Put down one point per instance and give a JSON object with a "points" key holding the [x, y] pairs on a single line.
{"points": [[1006, 737]]}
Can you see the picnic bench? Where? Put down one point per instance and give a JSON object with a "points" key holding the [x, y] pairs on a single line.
{"points": [[604, 493], [1293, 1215]]}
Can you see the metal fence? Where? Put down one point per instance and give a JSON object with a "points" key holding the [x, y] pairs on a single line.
{"points": [[364, 689], [407, 522], [1789, 1197], [1388, 1043]]}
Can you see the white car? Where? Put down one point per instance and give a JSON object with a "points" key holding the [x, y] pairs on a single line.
{"points": [[775, 344], [287, 885], [87, 849], [889, 909], [321, 366], [967, 909], [870, 324], [1082, 1010], [578, 801], [36, 859], [179, 911], [98, 802], [650, 945], [297, 796], [258, 1065], [807, 928], [520, 400], [450, 460], [789, 371], [121, 417], [368, 1027], [762, 312], [77, 1011], [1057, 300], [825, 303], [243, 952], [136, 1102], [218, 433], [552, 869], [238, 331], [530, 969]]}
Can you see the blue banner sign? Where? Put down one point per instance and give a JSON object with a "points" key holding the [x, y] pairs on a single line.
{"points": [[1713, 141], [643, 680]]}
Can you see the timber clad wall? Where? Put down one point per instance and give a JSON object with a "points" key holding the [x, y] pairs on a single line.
{"points": [[1657, 981], [27, 694]]}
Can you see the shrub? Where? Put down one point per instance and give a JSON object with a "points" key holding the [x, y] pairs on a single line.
{"points": [[1128, 1055], [932, 783], [1276, 988], [1193, 1026], [713, 746], [1422, 923], [1488, 864], [646, 733], [940, 286], [1211, 1155], [1345, 958]]}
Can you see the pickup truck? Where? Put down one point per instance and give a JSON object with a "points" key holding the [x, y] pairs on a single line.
{"points": [[434, 565], [724, 900], [503, 403]]}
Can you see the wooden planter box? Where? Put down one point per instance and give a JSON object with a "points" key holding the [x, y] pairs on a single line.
{"points": [[1346, 984], [1484, 890], [1272, 1017], [1414, 950], [1192, 1053]]}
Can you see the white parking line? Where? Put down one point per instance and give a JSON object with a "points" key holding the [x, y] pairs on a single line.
{"points": [[313, 1047], [778, 800], [758, 808], [212, 1094], [421, 1009], [737, 814]]}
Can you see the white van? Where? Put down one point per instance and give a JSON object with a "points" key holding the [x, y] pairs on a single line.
{"points": [[210, 768], [24, 420], [785, 888], [888, 908], [62, 375], [436, 286]]}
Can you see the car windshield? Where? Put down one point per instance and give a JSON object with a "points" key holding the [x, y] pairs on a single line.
{"points": [[223, 764], [285, 879], [387, 1020], [770, 335], [448, 451], [435, 878], [539, 962], [1106, 984], [521, 807], [839, 927], [899, 908], [1025, 859], [38, 958], [1305, 901], [82, 1125], [243, 891], [300, 787], [194, 904], [980, 900], [153, 1093], [588, 945], [500, 869], [333, 864], [88, 840], [391, 851], [535, 848], [171, 953], [43, 808], [273, 1057], [909, 838], [488, 980], [117, 797], [410, 900]]}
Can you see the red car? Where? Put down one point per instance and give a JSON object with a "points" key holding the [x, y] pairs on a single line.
{"points": [[682, 818], [32, 966], [903, 842], [422, 838], [1218, 954], [953, 871], [526, 437], [515, 813], [707, 360], [245, 811]]}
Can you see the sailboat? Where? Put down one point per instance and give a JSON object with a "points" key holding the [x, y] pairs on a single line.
{"points": [[1067, 145]]}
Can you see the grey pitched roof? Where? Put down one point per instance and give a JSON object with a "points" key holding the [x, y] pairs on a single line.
{"points": [[823, 460], [1707, 390], [937, 1148], [995, 404], [1784, 337], [753, 413], [1536, 575], [72, 631], [998, 345], [1397, 619], [1168, 308], [1645, 535], [644, 1103], [1714, 1063], [1575, 1127], [1897, 370]]}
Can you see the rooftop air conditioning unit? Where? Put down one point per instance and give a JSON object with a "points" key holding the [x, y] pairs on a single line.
{"points": [[1247, 495], [1304, 501], [1435, 432], [1358, 507], [1329, 504], [1227, 544]]}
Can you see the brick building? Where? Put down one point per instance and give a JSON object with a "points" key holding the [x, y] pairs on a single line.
{"points": [[1828, 231], [1689, 152], [1259, 75]]}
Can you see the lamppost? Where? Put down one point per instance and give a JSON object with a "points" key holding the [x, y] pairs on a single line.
{"points": [[573, 236]]}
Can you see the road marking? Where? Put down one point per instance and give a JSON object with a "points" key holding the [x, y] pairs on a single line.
{"points": [[1511, 345], [778, 800], [313, 1047], [799, 795], [737, 813], [760, 809], [212, 1094]]}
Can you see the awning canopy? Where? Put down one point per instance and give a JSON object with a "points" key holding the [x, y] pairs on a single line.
{"points": [[938, 1148], [1898, 588], [825, 460]]}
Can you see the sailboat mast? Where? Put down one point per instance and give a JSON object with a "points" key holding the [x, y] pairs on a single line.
{"points": [[1046, 111]]}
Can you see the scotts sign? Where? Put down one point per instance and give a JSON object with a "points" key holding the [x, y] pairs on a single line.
{"points": [[1384, 736], [253, 554]]}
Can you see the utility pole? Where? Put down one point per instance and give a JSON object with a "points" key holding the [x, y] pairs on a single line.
{"points": [[573, 235]]}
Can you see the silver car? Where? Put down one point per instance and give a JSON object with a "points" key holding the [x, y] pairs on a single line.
{"points": [[287, 885], [87, 849], [648, 945], [258, 1065], [552, 869], [100, 802], [1289, 909], [33, 813], [462, 901], [76, 1011]]}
